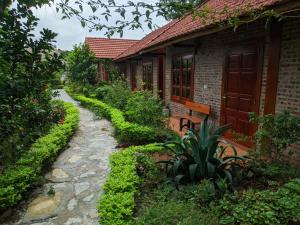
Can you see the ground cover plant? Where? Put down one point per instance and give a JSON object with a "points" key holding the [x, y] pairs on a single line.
{"points": [[25, 173]]}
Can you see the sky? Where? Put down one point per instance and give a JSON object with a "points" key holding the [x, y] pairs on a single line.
{"points": [[70, 31]]}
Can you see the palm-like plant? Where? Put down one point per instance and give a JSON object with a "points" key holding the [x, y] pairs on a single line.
{"points": [[199, 155]]}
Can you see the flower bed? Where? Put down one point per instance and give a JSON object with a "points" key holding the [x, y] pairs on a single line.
{"points": [[126, 132], [117, 203], [26, 172]]}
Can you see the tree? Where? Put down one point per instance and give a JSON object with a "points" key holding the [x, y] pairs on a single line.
{"points": [[27, 64], [81, 65], [142, 13]]}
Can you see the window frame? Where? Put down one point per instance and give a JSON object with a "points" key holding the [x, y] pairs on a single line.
{"points": [[180, 98], [146, 83]]}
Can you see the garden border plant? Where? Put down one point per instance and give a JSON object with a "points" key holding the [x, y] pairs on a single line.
{"points": [[127, 132], [16, 180], [117, 203]]}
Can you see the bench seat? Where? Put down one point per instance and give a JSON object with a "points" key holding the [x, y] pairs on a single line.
{"points": [[193, 119], [189, 120]]}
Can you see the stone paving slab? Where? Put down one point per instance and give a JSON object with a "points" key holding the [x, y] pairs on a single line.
{"points": [[76, 178]]}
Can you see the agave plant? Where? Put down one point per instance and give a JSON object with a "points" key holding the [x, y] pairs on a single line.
{"points": [[200, 155]]}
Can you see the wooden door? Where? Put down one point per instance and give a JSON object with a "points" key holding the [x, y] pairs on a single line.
{"points": [[161, 76], [133, 76], [241, 88]]}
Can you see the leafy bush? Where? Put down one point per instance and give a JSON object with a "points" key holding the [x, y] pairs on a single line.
{"points": [[175, 213], [145, 108], [148, 170], [275, 134], [125, 131], [117, 203], [116, 94], [16, 179], [277, 171], [261, 207], [81, 65], [197, 155], [27, 66]]}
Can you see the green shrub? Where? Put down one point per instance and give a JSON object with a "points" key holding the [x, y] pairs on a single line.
{"points": [[125, 131], [116, 94], [261, 207], [26, 70], [174, 213], [16, 179], [275, 134], [148, 170], [117, 204], [278, 171], [81, 65], [101, 91], [145, 108]]}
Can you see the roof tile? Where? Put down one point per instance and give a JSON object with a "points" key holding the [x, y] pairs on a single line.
{"points": [[188, 25], [108, 48]]}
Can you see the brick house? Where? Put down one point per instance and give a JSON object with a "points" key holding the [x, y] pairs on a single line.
{"points": [[253, 69], [105, 51]]}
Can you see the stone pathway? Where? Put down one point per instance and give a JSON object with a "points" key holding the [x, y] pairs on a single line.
{"points": [[72, 188]]}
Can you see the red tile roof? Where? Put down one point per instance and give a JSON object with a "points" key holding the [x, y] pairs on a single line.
{"points": [[145, 41], [108, 48], [187, 25]]}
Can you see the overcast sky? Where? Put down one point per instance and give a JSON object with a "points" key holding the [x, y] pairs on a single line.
{"points": [[70, 31]]}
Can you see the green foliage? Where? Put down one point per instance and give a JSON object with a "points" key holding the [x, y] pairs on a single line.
{"points": [[277, 171], [275, 134], [175, 213], [115, 94], [168, 205], [56, 82], [16, 179], [145, 108], [125, 131], [27, 65], [261, 207], [117, 203], [81, 65], [197, 155]]}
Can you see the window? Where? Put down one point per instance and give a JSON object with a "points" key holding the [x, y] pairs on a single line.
{"points": [[182, 78], [148, 76]]}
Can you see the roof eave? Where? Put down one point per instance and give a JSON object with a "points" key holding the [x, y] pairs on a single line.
{"points": [[281, 7]]}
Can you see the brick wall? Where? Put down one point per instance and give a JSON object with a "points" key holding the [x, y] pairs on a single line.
{"points": [[288, 93], [209, 61], [139, 75]]}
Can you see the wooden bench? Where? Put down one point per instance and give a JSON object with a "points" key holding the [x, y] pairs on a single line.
{"points": [[190, 121]]}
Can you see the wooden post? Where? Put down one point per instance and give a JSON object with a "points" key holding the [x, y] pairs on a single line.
{"points": [[273, 66]]}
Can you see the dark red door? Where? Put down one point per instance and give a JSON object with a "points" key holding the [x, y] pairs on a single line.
{"points": [[241, 89], [133, 76]]}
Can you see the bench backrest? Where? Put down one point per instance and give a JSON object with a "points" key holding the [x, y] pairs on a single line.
{"points": [[198, 107]]}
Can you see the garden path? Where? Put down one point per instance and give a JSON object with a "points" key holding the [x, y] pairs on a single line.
{"points": [[73, 185]]}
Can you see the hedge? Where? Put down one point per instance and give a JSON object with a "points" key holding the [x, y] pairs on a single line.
{"points": [[117, 203], [26, 172], [125, 131]]}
